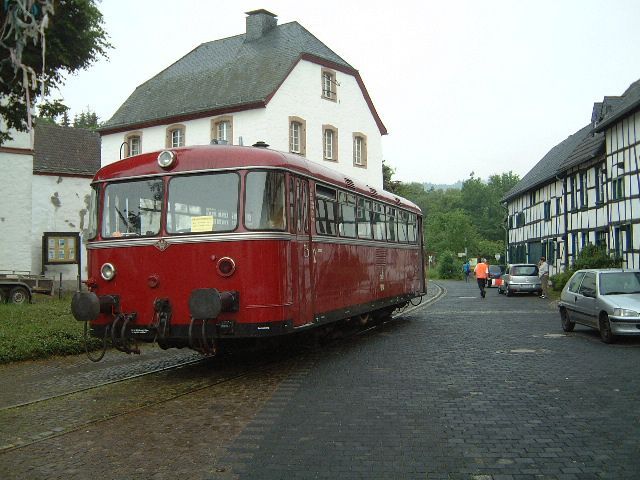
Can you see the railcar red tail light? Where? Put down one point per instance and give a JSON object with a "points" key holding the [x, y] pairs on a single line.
{"points": [[226, 266], [153, 281]]}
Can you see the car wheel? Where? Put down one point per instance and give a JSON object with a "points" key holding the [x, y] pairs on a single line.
{"points": [[567, 324], [19, 295], [606, 335], [509, 292]]}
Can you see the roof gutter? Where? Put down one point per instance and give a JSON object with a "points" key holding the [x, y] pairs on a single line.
{"points": [[107, 130]]}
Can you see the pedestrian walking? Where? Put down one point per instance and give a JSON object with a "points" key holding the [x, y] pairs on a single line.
{"points": [[466, 268], [543, 273], [482, 272]]}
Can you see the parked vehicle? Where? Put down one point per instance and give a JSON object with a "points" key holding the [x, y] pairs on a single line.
{"points": [[521, 278], [495, 275], [18, 287], [605, 299]]}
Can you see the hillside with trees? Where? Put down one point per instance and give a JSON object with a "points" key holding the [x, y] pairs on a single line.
{"points": [[470, 219]]}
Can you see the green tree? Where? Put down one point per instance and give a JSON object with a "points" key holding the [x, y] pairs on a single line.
{"points": [[449, 266], [74, 40], [388, 183], [65, 122], [87, 120], [450, 231]]}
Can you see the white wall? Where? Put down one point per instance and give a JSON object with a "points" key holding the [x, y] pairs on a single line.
{"points": [[60, 204], [15, 209], [299, 95]]}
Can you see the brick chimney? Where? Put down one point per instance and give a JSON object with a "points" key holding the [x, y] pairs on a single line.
{"points": [[259, 22]]}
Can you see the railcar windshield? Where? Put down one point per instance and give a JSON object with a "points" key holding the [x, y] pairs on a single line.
{"points": [[92, 224], [203, 203], [265, 200], [132, 208]]}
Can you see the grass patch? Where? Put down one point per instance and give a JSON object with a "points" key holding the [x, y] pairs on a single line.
{"points": [[40, 330]]}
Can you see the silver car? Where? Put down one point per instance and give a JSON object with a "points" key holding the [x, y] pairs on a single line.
{"points": [[605, 299], [521, 278]]}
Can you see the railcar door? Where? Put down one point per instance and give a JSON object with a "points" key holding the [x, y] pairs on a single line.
{"points": [[301, 252]]}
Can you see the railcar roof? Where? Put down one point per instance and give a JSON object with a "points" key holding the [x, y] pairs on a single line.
{"points": [[220, 157]]}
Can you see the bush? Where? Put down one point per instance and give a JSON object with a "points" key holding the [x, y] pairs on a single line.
{"points": [[592, 256], [449, 266], [559, 280]]}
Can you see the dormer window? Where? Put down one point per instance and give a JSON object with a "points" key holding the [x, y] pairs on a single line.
{"points": [[329, 85], [175, 136]]}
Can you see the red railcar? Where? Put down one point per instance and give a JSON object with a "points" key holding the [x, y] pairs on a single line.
{"points": [[193, 245]]}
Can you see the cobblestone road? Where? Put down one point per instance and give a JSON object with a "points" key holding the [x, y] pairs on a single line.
{"points": [[462, 389]]}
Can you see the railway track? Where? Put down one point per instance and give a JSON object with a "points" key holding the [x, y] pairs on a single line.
{"points": [[52, 416]]}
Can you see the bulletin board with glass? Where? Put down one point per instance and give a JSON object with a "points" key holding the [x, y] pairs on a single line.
{"points": [[60, 248]]}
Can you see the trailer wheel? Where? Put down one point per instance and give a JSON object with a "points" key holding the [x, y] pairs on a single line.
{"points": [[19, 295]]}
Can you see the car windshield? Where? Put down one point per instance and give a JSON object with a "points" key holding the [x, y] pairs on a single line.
{"points": [[617, 283], [524, 271], [495, 269]]}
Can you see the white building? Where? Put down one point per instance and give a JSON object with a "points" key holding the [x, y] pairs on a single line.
{"points": [[274, 83], [585, 190], [45, 188]]}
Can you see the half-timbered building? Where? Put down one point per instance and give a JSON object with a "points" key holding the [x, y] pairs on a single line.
{"points": [[584, 190]]}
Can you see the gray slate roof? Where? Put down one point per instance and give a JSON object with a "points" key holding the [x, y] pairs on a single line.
{"points": [[221, 74], [621, 106], [65, 150], [552, 163]]}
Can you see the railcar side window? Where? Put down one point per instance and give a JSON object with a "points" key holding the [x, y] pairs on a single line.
{"points": [[403, 234], [264, 207], [92, 227], [132, 208], [347, 215], [326, 210], [392, 226], [364, 218], [413, 228], [378, 222], [203, 203]]}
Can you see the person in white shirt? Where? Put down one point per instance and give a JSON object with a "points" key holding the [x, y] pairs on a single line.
{"points": [[543, 273]]}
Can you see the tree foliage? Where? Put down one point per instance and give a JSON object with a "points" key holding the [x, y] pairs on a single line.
{"points": [[87, 120], [74, 39], [471, 219]]}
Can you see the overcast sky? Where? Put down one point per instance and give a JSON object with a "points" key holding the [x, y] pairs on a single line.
{"points": [[462, 86]]}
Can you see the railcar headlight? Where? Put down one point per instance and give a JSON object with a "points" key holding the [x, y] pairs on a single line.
{"points": [[623, 312], [108, 271], [166, 159]]}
